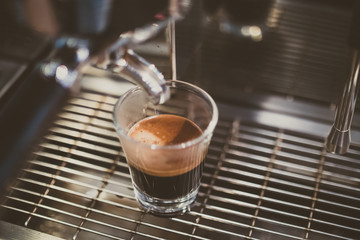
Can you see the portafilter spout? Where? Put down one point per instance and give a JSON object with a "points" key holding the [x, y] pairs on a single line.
{"points": [[122, 61], [339, 138], [137, 70]]}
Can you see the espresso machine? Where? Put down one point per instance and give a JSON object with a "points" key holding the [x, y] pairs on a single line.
{"points": [[284, 74], [96, 33]]}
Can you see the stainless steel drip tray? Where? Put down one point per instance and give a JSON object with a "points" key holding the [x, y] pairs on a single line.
{"points": [[265, 178]]}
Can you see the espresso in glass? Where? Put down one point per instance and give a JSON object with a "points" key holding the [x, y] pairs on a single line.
{"points": [[165, 144], [174, 177]]}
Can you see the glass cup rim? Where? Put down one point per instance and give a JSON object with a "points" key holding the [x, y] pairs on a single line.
{"points": [[207, 132]]}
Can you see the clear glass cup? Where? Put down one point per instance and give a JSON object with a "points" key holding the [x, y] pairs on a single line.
{"points": [[166, 178]]}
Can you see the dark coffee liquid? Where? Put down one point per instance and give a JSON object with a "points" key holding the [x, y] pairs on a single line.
{"points": [[181, 171], [167, 187]]}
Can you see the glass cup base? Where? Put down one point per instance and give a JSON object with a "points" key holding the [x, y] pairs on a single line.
{"points": [[165, 207]]}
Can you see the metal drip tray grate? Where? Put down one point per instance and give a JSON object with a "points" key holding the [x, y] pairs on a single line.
{"points": [[260, 182]]}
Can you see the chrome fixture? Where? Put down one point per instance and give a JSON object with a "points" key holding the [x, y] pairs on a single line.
{"points": [[339, 138]]}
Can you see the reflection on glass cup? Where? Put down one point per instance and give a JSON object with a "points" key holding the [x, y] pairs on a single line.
{"points": [[165, 145]]}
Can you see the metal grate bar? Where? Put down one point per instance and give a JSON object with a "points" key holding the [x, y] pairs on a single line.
{"points": [[258, 182], [214, 175]]}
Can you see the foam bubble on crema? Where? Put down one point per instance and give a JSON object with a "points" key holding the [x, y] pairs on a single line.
{"points": [[165, 129], [146, 136]]}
